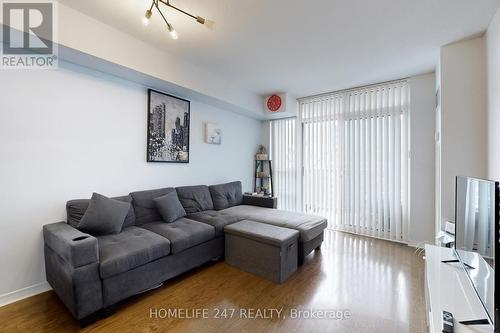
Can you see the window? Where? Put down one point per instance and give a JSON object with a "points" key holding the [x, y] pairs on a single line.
{"points": [[354, 148]]}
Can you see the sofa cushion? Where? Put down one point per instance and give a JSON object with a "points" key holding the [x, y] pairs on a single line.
{"points": [[144, 205], [226, 195], [104, 216], [183, 233], [75, 209], [309, 226], [215, 219], [195, 198], [130, 248], [170, 207]]}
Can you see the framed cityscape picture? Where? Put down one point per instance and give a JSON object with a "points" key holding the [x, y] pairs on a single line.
{"points": [[168, 128]]}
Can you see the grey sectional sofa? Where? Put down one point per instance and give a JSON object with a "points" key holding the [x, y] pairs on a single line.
{"points": [[93, 273]]}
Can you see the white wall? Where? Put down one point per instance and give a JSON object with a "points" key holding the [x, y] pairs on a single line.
{"points": [[437, 153], [422, 95], [463, 129], [493, 69], [80, 35], [69, 132]]}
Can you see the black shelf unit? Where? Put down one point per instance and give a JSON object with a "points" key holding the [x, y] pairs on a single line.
{"points": [[263, 181]]}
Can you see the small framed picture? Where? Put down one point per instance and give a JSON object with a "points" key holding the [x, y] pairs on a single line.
{"points": [[213, 134], [168, 128]]}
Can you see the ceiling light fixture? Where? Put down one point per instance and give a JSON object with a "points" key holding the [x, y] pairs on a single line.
{"points": [[170, 28], [172, 32], [147, 16]]}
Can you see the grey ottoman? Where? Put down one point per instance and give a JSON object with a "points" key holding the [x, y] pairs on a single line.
{"points": [[262, 249]]}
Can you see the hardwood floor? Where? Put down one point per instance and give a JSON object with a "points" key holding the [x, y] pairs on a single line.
{"points": [[380, 283]]}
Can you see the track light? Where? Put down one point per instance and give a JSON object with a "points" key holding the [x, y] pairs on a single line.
{"points": [[172, 32], [147, 16], [170, 28]]}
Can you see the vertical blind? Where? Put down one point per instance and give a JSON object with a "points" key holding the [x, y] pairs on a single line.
{"points": [[323, 156], [354, 162], [283, 151]]}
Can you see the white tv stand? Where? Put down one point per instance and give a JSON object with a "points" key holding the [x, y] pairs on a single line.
{"points": [[448, 288]]}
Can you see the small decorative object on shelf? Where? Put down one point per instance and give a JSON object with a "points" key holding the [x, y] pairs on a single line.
{"points": [[261, 154], [263, 181]]}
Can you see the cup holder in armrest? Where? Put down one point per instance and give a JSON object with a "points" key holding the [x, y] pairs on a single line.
{"points": [[79, 238]]}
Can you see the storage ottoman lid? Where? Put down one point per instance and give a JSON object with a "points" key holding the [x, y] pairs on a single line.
{"points": [[261, 232]]}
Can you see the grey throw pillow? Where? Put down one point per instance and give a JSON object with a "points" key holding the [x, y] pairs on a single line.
{"points": [[75, 209], [104, 216], [170, 207], [226, 195]]}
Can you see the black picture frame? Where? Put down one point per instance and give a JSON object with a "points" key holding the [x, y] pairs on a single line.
{"points": [[167, 133]]}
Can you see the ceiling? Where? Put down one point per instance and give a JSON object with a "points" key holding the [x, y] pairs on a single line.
{"points": [[303, 47]]}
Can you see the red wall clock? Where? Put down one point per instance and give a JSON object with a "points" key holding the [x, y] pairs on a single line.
{"points": [[274, 103]]}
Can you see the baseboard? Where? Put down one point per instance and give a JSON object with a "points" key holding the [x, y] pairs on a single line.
{"points": [[369, 236], [20, 294], [418, 245]]}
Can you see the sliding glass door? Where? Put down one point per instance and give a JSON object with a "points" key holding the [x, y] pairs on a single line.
{"points": [[284, 153], [322, 157], [354, 166]]}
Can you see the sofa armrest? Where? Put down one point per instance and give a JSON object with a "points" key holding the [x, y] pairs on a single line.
{"points": [[75, 247], [267, 202]]}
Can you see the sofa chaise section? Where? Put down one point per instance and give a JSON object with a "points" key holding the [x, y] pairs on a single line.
{"points": [[228, 200], [309, 226]]}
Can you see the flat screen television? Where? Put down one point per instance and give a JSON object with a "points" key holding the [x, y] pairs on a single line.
{"points": [[477, 239]]}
